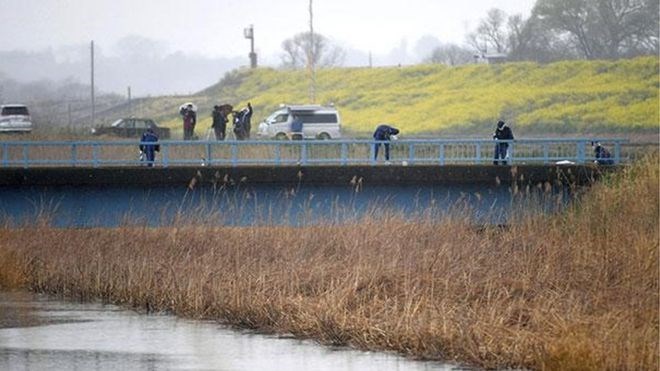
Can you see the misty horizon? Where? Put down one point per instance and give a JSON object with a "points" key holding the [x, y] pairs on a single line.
{"points": [[149, 67], [175, 49]]}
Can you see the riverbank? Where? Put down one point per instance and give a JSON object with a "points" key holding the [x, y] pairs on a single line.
{"points": [[577, 290]]}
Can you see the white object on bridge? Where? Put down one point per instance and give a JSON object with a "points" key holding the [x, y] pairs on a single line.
{"points": [[404, 163]]}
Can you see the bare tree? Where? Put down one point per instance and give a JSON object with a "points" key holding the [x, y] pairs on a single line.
{"points": [[298, 48], [604, 28], [451, 55], [491, 34], [531, 40]]}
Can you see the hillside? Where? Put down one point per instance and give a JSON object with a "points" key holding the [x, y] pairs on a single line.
{"points": [[571, 97]]}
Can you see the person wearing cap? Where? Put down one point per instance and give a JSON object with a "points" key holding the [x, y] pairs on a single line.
{"points": [[149, 150], [502, 133], [384, 133]]}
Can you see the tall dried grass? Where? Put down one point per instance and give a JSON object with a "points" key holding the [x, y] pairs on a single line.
{"points": [[578, 290]]}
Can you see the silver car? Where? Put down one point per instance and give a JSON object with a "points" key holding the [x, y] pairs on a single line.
{"points": [[319, 122], [15, 118]]}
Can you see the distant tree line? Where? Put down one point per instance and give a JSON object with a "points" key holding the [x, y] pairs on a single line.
{"points": [[555, 30], [560, 30]]}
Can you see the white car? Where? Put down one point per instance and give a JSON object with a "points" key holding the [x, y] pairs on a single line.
{"points": [[319, 122], [15, 118]]}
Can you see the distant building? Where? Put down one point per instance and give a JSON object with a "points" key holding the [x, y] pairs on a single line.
{"points": [[492, 58]]}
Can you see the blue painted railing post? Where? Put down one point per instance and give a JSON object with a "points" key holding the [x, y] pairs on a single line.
{"points": [[372, 152], [209, 160], [26, 156], [234, 154], [166, 155], [5, 154], [411, 153], [546, 153], [511, 152], [617, 152], [441, 153], [580, 152], [303, 153], [478, 154], [344, 153], [95, 154], [74, 154], [278, 154]]}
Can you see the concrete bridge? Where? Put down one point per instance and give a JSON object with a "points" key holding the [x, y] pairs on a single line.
{"points": [[312, 175], [262, 182]]}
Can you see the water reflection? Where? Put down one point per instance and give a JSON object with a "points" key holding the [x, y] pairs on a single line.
{"points": [[255, 205], [37, 333]]}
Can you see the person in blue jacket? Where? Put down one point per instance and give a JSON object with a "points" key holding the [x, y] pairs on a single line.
{"points": [[296, 128], [149, 150], [384, 133]]}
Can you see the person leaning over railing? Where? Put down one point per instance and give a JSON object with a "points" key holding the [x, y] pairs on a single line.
{"points": [[384, 133], [502, 132]]}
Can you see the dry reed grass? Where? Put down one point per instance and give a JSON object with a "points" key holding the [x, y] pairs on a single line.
{"points": [[578, 290]]}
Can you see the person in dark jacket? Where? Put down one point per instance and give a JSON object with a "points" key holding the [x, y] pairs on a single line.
{"points": [[384, 133], [149, 150], [242, 125], [189, 121], [296, 128], [220, 120], [502, 132], [603, 156]]}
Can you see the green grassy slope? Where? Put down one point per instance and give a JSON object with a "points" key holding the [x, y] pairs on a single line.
{"points": [[564, 97]]}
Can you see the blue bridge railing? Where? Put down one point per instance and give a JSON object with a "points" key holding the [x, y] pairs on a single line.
{"points": [[304, 152]]}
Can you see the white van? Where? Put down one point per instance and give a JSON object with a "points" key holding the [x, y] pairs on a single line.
{"points": [[319, 122], [15, 118]]}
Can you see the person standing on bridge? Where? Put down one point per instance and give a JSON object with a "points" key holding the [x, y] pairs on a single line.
{"points": [[220, 120], [384, 133], [297, 128], [189, 114], [242, 125], [502, 132], [149, 150]]}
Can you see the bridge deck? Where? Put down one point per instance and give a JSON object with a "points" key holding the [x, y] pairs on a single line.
{"points": [[321, 175]]}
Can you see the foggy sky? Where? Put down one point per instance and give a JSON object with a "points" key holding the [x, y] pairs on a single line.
{"points": [[213, 29]]}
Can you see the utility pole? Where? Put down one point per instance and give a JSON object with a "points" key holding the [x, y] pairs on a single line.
{"points": [[311, 56], [93, 102], [249, 34], [130, 108]]}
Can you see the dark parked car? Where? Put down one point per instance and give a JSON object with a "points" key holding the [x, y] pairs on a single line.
{"points": [[132, 127]]}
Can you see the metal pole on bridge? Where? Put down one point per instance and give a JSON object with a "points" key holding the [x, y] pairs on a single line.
{"points": [[92, 81]]}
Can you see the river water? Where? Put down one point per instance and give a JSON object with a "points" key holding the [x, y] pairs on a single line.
{"points": [[255, 205], [39, 333]]}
